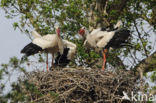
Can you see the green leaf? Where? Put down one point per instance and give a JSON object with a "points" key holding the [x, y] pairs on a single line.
{"points": [[15, 25]]}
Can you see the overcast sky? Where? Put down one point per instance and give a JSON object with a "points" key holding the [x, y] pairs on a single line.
{"points": [[11, 41]]}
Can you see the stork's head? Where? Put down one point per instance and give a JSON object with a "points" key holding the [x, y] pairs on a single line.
{"points": [[57, 30], [82, 31]]}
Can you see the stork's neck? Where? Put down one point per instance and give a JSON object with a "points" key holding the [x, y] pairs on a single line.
{"points": [[86, 33], [59, 41], [58, 32]]}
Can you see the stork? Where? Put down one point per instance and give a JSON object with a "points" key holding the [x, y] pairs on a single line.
{"points": [[68, 54], [104, 38], [49, 43]]}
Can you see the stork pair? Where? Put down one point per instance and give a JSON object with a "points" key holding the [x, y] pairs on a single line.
{"points": [[101, 38]]}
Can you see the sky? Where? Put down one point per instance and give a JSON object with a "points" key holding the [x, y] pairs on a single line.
{"points": [[11, 41]]}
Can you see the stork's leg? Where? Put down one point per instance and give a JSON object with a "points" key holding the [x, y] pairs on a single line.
{"points": [[52, 62], [47, 61], [104, 59]]}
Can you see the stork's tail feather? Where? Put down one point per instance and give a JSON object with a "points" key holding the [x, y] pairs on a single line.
{"points": [[123, 33], [31, 49], [126, 44], [120, 39]]}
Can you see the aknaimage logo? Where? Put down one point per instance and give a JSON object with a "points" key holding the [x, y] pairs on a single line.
{"points": [[138, 97]]}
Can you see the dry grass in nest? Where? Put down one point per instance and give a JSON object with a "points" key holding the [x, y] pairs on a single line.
{"points": [[77, 85]]}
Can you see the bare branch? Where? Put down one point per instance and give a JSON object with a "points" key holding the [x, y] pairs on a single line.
{"points": [[146, 65], [139, 35]]}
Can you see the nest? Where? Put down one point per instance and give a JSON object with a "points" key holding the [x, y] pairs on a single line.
{"points": [[71, 85]]}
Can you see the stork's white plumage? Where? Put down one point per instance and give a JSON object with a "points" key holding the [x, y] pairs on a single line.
{"points": [[49, 40], [50, 43], [69, 50], [72, 48], [35, 34], [66, 44], [99, 38], [104, 38], [44, 44]]}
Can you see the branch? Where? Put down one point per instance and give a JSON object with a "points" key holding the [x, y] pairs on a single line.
{"points": [[122, 5], [153, 92], [146, 65], [119, 7], [101, 6], [139, 35], [96, 14]]}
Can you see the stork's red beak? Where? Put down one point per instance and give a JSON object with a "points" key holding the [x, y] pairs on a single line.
{"points": [[81, 32]]}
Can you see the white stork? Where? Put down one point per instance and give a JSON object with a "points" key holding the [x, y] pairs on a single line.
{"points": [[104, 38], [51, 43], [68, 54]]}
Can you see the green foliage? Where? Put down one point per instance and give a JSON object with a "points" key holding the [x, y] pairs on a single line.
{"points": [[40, 59], [6, 71], [32, 88], [15, 25], [17, 93], [153, 77]]}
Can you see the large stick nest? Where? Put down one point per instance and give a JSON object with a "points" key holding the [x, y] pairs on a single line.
{"points": [[71, 85]]}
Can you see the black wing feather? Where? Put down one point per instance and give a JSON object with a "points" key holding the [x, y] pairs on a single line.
{"points": [[62, 60], [119, 39], [31, 49]]}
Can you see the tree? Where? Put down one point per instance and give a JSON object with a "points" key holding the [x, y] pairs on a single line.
{"points": [[138, 16]]}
